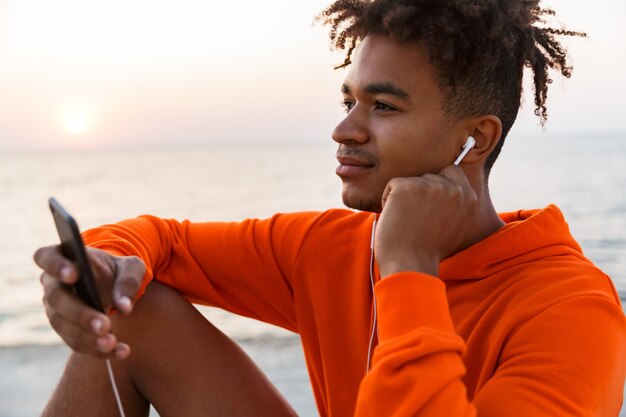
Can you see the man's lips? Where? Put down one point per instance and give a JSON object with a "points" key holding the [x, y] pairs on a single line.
{"points": [[351, 166]]}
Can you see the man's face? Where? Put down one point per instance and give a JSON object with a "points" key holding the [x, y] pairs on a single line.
{"points": [[394, 126]]}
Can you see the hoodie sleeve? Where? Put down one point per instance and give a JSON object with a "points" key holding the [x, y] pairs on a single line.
{"points": [[242, 267], [570, 360]]}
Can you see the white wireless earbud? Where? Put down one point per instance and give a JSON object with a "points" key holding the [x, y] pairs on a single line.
{"points": [[469, 144]]}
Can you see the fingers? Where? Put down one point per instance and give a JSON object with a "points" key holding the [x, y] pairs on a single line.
{"points": [[129, 276], [397, 186], [427, 186], [60, 302], [51, 260], [84, 329]]}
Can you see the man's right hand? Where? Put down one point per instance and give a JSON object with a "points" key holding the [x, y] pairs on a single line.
{"points": [[84, 329]]}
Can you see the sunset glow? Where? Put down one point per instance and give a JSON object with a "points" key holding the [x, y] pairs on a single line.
{"points": [[196, 71], [76, 120]]}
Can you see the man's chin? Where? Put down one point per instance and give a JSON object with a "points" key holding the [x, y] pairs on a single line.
{"points": [[371, 205]]}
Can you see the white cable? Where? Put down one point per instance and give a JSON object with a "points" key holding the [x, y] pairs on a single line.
{"points": [[114, 385], [373, 331]]}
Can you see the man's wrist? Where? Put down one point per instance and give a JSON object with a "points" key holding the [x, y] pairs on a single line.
{"points": [[430, 267]]}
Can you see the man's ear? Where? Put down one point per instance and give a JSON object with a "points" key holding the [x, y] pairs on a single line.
{"points": [[486, 130]]}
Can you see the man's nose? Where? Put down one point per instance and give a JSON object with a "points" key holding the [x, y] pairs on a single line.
{"points": [[352, 128]]}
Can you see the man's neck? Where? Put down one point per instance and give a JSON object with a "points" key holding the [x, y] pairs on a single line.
{"points": [[484, 221]]}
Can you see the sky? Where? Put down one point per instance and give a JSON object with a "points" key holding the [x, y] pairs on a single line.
{"points": [[86, 73]]}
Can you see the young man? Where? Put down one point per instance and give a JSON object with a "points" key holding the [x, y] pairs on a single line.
{"points": [[473, 313]]}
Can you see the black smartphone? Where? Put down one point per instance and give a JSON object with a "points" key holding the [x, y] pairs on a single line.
{"points": [[73, 248]]}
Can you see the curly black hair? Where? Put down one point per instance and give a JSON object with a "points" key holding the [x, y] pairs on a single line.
{"points": [[479, 49]]}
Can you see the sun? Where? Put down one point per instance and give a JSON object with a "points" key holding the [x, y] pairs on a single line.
{"points": [[77, 123], [77, 120]]}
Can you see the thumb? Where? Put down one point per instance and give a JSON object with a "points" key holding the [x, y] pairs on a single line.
{"points": [[129, 276]]}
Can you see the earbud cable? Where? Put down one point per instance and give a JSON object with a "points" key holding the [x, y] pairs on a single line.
{"points": [[115, 391], [373, 331]]}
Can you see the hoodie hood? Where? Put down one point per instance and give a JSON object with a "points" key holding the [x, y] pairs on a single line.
{"points": [[528, 235]]}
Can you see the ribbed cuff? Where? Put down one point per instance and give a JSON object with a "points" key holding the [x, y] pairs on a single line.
{"points": [[410, 300]]}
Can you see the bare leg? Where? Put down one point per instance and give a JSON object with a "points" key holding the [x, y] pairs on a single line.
{"points": [[180, 363]]}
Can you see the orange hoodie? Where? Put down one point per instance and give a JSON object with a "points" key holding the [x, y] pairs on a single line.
{"points": [[519, 324]]}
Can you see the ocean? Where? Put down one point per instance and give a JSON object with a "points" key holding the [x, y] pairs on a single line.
{"points": [[585, 176]]}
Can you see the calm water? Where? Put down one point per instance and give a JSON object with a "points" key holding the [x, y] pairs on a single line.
{"points": [[585, 176]]}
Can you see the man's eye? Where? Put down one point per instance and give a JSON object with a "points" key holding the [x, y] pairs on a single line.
{"points": [[347, 105], [384, 107]]}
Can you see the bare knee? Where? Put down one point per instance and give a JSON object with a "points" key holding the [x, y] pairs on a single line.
{"points": [[161, 321], [159, 303], [176, 353]]}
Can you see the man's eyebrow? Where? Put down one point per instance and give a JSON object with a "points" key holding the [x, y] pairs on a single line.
{"points": [[381, 88]]}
